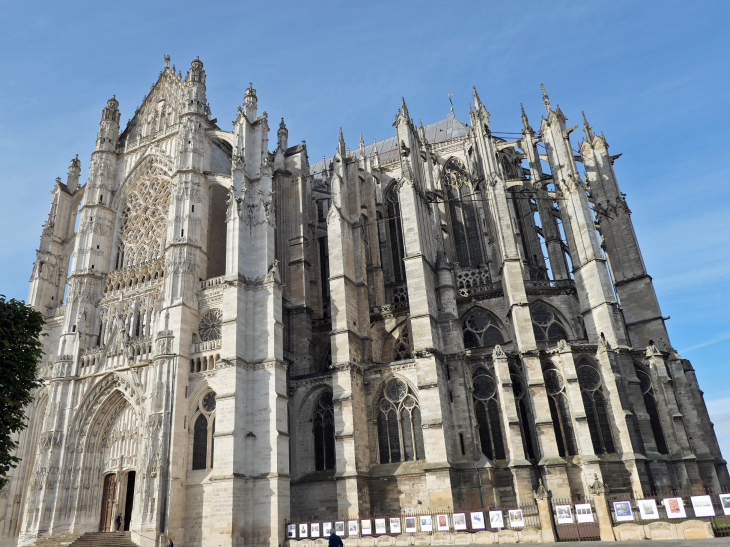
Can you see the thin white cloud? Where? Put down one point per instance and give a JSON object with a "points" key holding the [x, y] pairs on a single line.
{"points": [[707, 343]]}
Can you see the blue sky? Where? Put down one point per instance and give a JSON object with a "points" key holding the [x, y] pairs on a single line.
{"points": [[654, 76]]}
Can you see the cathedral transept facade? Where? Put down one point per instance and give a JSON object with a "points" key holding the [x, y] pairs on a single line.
{"points": [[239, 335]]}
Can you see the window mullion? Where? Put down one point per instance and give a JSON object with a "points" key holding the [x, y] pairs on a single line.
{"points": [[387, 430]]}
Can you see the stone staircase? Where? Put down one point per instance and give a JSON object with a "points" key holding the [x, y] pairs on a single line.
{"points": [[89, 539]]}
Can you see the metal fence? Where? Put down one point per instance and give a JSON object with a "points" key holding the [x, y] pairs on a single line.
{"points": [[674, 506], [575, 520], [470, 520]]}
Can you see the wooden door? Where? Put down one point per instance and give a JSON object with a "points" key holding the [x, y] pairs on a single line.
{"points": [[107, 503]]}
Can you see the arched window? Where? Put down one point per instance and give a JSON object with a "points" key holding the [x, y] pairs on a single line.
{"points": [[402, 349], [463, 213], [400, 434], [200, 443], [486, 409], [546, 324], [560, 412], [524, 416], [324, 432], [594, 402], [647, 392], [395, 227], [203, 433], [481, 329]]}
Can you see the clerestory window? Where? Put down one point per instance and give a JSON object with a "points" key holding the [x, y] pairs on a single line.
{"points": [[463, 213]]}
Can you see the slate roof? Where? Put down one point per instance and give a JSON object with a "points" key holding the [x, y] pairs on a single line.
{"points": [[449, 128]]}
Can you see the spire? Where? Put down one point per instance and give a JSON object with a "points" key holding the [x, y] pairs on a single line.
{"points": [[324, 167], [195, 101], [587, 128], [249, 102], [545, 100], [74, 172], [282, 136], [477, 101], [376, 157], [525, 122], [341, 145], [404, 108]]}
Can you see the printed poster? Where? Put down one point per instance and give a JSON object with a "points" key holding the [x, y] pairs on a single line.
{"points": [[291, 531], [365, 526], [623, 510], [395, 525], [459, 521], [380, 526], [675, 508], [648, 509], [516, 518], [477, 521], [314, 529], [340, 527], [725, 502], [442, 523], [303, 530], [411, 525], [327, 528], [583, 512], [352, 528], [703, 506], [496, 520], [426, 523], [564, 514]]}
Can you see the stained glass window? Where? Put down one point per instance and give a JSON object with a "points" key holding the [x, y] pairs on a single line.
{"points": [[594, 403], [560, 412], [324, 432], [481, 329], [400, 434], [486, 408], [463, 212]]}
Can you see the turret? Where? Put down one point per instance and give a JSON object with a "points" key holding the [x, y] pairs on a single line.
{"points": [[249, 103], [74, 172], [195, 101], [106, 138]]}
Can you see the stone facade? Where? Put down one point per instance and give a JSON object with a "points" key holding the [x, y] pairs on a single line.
{"points": [[434, 321]]}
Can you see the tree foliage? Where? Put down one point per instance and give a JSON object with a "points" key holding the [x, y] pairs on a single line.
{"points": [[20, 353]]}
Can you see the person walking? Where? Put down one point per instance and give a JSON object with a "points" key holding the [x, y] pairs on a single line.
{"points": [[170, 543], [334, 540], [118, 521]]}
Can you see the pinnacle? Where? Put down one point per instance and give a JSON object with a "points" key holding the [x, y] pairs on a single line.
{"points": [[545, 99]]}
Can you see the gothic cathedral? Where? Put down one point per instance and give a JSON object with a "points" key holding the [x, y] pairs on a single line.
{"points": [[437, 320]]}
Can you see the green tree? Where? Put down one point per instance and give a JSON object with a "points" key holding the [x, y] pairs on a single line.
{"points": [[20, 353]]}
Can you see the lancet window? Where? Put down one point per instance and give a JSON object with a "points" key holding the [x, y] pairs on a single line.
{"points": [[486, 408], [594, 402], [400, 434], [395, 228], [324, 432], [546, 324], [463, 213], [647, 392], [560, 411], [203, 433], [481, 329], [524, 415]]}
